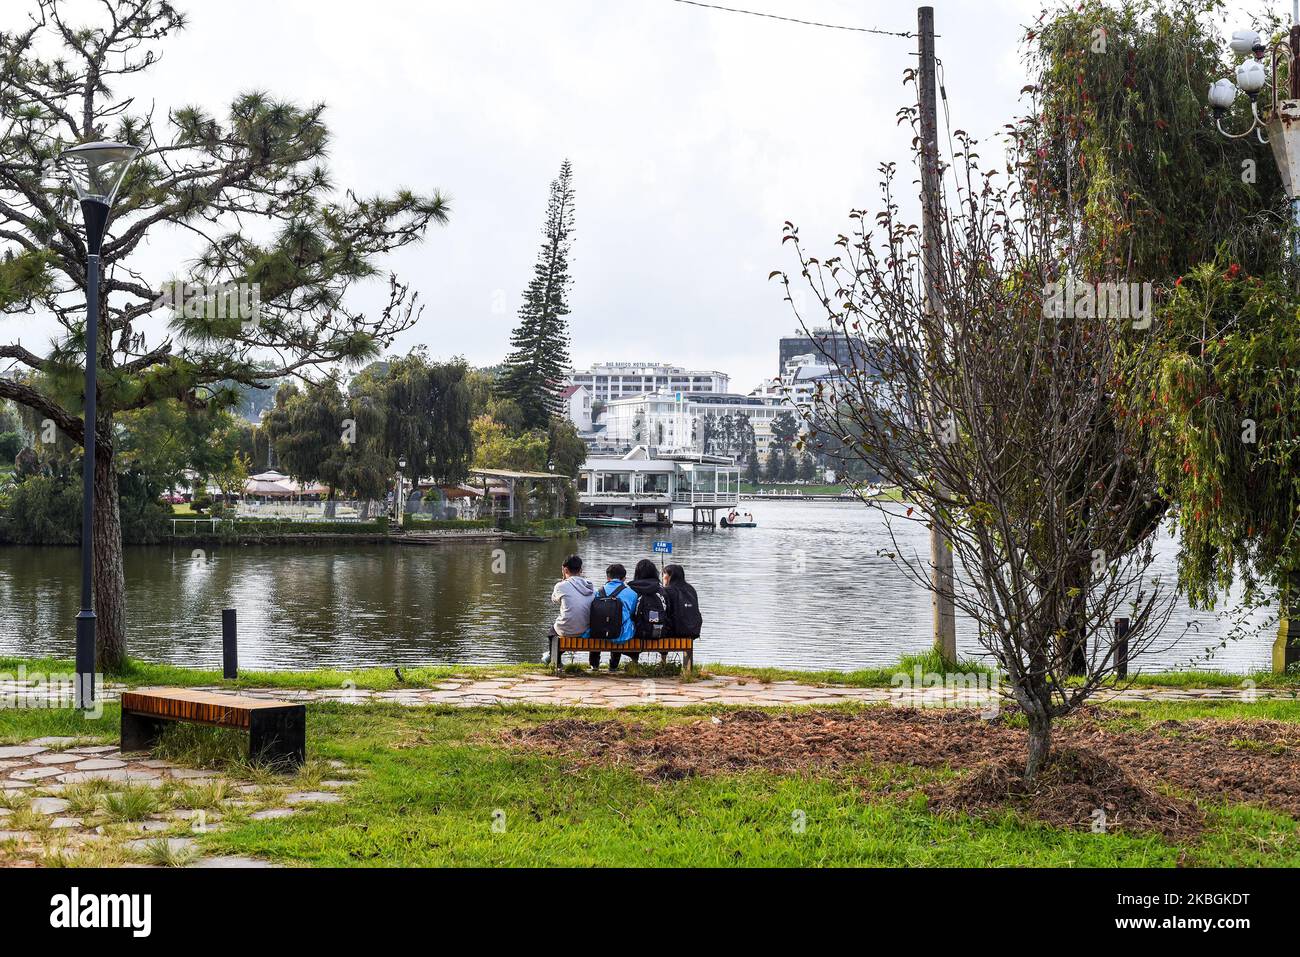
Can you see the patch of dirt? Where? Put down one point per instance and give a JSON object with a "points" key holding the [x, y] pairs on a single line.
{"points": [[1121, 771], [573, 731], [1076, 788]]}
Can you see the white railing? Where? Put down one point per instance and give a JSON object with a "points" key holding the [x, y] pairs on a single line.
{"points": [[342, 511], [212, 522], [707, 498], [654, 497]]}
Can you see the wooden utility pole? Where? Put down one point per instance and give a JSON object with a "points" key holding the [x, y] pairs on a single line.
{"points": [[941, 578]]}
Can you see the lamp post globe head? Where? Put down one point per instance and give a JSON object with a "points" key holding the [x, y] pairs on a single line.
{"points": [[97, 169], [1245, 41], [1222, 94], [1251, 78]]}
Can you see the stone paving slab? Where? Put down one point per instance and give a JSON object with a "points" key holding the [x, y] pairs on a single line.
{"points": [[56, 757], [34, 774], [605, 690], [32, 791], [231, 861], [174, 844], [312, 797], [272, 814], [20, 751], [98, 764]]}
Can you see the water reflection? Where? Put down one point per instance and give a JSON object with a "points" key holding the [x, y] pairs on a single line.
{"points": [[376, 605]]}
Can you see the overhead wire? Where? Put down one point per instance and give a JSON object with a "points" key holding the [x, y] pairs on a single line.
{"points": [[806, 23]]}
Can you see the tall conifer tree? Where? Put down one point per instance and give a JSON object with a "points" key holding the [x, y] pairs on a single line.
{"points": [[538, 361]]}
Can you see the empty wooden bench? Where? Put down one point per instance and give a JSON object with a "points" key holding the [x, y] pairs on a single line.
{"points": [[562, 643], [277, 730]]}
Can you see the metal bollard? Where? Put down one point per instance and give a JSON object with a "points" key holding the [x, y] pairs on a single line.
{"points": [[1121, 648], [229, 645]]}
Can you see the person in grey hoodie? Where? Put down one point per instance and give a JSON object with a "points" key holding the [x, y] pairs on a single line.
{"points": [[573, 594]]}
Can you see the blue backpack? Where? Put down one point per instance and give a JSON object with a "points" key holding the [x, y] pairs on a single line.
{"points": [[607, 614]]}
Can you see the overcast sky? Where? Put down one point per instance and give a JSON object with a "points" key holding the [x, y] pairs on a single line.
{"points": [[694, 135]]}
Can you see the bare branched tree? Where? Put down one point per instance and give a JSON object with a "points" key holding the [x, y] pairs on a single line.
{"points": [[995, 415]]}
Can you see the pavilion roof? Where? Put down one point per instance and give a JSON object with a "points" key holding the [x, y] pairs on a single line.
{"points": [[506, 474]]}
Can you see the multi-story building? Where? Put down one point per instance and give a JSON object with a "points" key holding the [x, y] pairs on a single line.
{"points": [[804, 376], [607, 381], [576, 403], [676, 421], [830, 347]]}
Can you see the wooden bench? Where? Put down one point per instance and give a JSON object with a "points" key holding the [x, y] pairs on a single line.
{"points": [[562, 643], [277, 729]]}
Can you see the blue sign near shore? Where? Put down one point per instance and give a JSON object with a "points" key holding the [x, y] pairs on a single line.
{"points": [[664, 547]]}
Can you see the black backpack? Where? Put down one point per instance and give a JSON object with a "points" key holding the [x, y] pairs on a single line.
{"points": [[607, 614], [651, 616], [687, 619]]}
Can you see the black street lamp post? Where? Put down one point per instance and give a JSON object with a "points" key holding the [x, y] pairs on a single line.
{"points": [[96, 170]]}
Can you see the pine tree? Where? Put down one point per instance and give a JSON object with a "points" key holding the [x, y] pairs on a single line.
{"points": [[539, 347]]}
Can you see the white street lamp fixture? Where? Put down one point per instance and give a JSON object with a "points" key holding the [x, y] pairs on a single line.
{"points": [[96, 169], [1283, 120], [1247, 41], [1222, 95], [1251, 78]]}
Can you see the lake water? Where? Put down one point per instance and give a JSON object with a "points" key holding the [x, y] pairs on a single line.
{"points": [[357, 606]]}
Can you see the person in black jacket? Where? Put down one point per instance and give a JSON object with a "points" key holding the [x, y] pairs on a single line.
{"points": [[683, 605], [650, 597]]}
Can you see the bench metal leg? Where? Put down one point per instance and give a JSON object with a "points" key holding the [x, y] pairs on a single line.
{"points": [[278, 738], [140, 732]]}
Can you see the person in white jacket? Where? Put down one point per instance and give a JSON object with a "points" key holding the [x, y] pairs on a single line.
{"points": [[573, 594]]}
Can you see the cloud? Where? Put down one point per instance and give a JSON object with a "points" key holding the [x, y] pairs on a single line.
{"points": [[694, 135]]}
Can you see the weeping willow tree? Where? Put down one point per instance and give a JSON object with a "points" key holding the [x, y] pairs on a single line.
{"points": [[1157, 194]]}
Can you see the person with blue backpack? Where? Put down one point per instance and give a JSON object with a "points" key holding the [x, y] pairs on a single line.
{"points": [[613, 613]]}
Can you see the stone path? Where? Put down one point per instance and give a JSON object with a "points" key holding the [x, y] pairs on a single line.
{"points": [[66, 801], [616, 691]]}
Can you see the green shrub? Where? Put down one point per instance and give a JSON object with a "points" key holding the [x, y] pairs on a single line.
{"points": [[273, 528], [44, 511], [145, 515], [11, 443]]}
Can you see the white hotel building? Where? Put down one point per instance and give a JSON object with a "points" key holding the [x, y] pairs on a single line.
{"points": [[608, 381], [663, 420]]}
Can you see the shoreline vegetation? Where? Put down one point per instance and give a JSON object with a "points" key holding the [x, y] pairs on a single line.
{"points": [[193, 529]]}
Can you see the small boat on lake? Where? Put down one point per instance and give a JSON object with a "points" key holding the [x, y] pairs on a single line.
{"points": [[738, 520]]}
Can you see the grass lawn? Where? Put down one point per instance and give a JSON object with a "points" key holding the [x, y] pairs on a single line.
{"points": [[140, 673], [437, 786]]}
